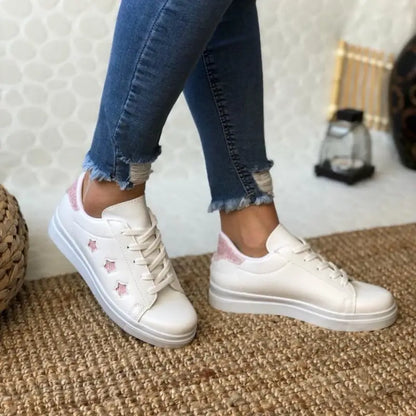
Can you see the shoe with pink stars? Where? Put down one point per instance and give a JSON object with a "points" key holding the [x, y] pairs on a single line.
{"points": [[123, 260], [294, 281]]}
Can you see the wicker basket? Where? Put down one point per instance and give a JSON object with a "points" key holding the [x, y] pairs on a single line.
{"points": [[14, 246]]}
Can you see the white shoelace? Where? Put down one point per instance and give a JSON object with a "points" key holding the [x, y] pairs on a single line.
{"points": [[322, 264], [154, 251]]}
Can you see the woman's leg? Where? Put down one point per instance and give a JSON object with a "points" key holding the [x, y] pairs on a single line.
{"points": [[156, 45], [225, 95], [102, 224]]}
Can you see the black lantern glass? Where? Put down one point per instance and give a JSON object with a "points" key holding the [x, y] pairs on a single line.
{"points": [[345, 153]]}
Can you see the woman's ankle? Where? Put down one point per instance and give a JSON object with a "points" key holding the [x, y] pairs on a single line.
{"points": [[250, 227], [98, 195]]}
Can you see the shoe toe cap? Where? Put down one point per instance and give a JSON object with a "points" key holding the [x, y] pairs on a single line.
{"points": [[172, 314], [371, 298]]}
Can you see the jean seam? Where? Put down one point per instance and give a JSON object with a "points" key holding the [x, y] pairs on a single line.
{"points": [[139, 59], [218, 96]]}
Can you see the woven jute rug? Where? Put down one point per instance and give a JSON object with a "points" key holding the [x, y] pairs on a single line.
{"points": [[60, 355]]}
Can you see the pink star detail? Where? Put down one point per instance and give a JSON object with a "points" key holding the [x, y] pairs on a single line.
{"points": [[121, 289], [110, 266], [92, 244]]}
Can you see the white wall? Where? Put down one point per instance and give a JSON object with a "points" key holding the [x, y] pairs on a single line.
{"points": [[53, 59]]}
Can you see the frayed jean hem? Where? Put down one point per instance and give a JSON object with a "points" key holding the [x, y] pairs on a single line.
{"points": [[235, 204], [100, 175], [128, 173]]}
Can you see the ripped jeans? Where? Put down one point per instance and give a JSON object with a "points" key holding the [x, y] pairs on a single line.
{"points": [[210, 50]]}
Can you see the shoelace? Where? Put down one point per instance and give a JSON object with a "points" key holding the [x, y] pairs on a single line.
{"points": [[149, 249], [336, 272]]}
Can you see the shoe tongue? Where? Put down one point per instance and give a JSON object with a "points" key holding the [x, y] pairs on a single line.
{"points": [[280, 237], [134, 212]]}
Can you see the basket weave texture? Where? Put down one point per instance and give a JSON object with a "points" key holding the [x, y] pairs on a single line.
{"points": [[14, 246]]}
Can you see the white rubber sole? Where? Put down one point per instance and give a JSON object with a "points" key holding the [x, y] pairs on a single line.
{"points": [[237, 302], [70, 250]]}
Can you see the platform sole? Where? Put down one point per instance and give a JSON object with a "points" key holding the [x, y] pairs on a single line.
{"points": [[237, 302]]}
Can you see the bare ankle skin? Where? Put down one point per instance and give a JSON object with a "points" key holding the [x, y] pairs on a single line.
{"points": [[250, 227], [98, 195]]}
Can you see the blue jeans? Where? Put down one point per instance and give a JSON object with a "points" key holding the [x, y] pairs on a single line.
{"points": [[210, 50]]}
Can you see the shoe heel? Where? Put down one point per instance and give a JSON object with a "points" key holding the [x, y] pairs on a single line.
{"points": [[56, 234], [56, 237], [225, 304]]}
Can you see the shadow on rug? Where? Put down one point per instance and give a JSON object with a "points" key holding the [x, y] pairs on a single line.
{"points": [[60, 355]]}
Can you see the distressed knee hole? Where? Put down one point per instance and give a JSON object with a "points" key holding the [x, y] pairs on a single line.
{"points": [[264, 181]]}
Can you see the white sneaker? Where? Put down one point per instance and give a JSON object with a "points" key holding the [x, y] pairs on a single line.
{"points": [[294, 281], [123, 260]]}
